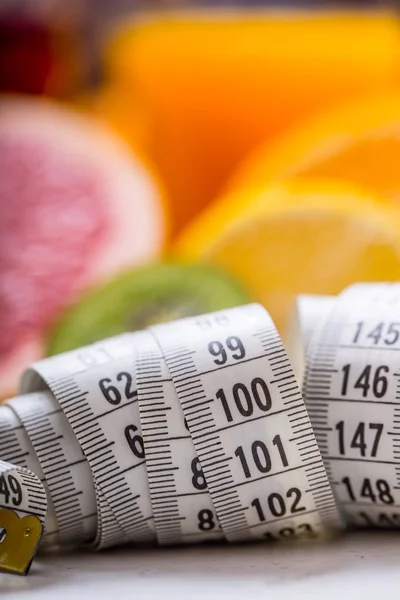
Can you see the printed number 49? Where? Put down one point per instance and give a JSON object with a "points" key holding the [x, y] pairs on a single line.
{"points": [[10, 489]]}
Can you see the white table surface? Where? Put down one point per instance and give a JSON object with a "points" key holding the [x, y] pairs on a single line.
{"points": [[363, 566]]}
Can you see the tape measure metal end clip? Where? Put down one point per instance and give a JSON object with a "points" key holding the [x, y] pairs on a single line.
{"points": [[19, 541]]}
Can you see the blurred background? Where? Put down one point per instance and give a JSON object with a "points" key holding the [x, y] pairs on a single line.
{"points": [[164, 159]]}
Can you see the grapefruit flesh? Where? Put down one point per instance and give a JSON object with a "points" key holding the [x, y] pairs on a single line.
{"points": [[75, 208]]}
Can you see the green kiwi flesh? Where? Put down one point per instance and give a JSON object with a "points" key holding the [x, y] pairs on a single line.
{"points": [[142, 297]]}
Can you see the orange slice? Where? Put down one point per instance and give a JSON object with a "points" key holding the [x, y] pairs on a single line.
{"points": [[359, 142], [314, 236], [203, 88]]}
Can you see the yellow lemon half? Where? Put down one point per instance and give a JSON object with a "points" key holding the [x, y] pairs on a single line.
{"points": [[310, 236]]}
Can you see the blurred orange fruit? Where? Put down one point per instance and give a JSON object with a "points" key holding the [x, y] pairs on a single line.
{"points": [[313, 236], [122, 113], [200, 90], [358, 142]]}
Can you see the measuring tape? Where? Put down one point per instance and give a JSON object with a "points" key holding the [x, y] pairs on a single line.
{"points": [[95, 388], [352, 389], [22, 514], [310, 311], [16, 448], [196, 430], [65, 470], [249, 426]]}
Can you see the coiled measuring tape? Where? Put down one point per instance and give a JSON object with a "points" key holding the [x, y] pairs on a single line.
{"points": [[22, 513], [352, 390], [191, 431]]}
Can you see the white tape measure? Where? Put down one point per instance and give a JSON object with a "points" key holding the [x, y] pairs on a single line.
{"points": [[16, 448], [249, 425], [191, 431], [22, 514], [352, 389]]}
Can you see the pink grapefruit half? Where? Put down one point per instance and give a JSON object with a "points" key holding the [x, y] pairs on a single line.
{"points": [[76, 206]]}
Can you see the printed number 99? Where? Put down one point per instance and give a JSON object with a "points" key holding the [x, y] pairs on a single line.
{"points": [[233, 343]]}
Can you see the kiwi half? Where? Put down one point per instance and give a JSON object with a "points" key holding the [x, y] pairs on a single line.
{"points": [[142, 297]]}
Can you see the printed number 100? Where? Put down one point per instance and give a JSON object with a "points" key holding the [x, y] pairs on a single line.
{"points": [[246, 399]]}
